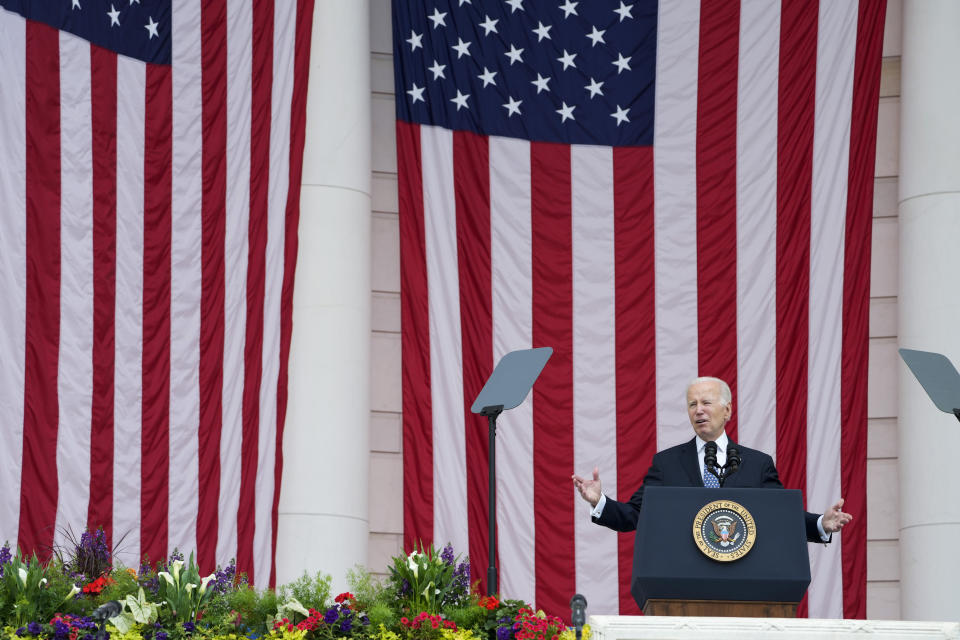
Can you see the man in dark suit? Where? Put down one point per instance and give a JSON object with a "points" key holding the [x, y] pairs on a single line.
{"points": [[709, 407]]}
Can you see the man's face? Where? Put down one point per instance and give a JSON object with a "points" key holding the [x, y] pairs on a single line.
{"points": [[708, 414]]}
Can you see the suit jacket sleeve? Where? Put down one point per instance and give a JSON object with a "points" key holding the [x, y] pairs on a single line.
{"points": [[622, 516]]}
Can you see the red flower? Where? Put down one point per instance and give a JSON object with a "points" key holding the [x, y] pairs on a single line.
{"points": [[346, 595], [404, 620]]}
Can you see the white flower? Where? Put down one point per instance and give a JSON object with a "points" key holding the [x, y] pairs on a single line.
{"points": [[177, 566], [166, 576], [205, 582], [42, 582], [413, 564], [23, 574]]}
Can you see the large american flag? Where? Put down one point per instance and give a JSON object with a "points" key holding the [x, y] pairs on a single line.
{"points": [[657, 190], [150, 162]]}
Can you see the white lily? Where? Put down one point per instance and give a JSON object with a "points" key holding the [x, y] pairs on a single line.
{"points": [[166, 576], [177, 566], [23, 574], [42, 582], [413, 564], [205, 581], [427, 588], [190, 587], [74, 591]]}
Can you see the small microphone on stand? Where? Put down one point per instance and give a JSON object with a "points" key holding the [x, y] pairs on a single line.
{"points": [[710, 458], [578, 613], [733, 460]]}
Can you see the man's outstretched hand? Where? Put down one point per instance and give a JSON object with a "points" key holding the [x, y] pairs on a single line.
{"points": [[834, 519], [591, 489]]}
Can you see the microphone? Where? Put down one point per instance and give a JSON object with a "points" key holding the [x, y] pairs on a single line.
{"points": [[578, 613], [710, 455], [733, 460]]}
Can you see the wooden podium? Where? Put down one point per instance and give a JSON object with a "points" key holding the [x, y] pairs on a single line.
{"points": [[720, 608], [673, 576]]}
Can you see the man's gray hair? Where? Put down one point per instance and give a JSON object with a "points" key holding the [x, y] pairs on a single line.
{"points": [[725, 396]]}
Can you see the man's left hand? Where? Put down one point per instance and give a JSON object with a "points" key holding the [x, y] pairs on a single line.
{"points": [[835, 519]]}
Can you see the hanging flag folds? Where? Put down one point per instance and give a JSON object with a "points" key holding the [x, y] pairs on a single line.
{"points": [[151, 159], [657, 190]]}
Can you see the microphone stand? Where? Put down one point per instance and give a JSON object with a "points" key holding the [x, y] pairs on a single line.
{"points": [[728, 469]]}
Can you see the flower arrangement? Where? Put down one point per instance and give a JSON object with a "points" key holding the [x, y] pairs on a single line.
{"points": [[82, 593]]}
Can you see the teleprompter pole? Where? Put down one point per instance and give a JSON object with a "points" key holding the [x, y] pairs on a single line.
{"points": [[492, 412]]}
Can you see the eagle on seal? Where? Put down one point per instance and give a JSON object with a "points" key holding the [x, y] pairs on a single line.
{"points": [[724, 531]]}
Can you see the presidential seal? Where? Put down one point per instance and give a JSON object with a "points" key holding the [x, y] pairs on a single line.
{"points": [[724, 530]]}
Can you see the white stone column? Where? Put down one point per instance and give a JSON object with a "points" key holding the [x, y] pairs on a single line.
{"points": [[929, 305], [323, 519]]}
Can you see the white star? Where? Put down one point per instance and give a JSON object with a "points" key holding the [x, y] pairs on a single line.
{"points": [[541, 83], [76, 4], [439, 19], [489, 25], [437, 70], [620, 115], [415, 40], [460, 100], [514, 54], [515, 4], [132, 1], [487, 77], [416, 93], [114, 16], [594, 88], [566, 112], [151, 28], [512, 107], [597, 36], [624, 11], [462, 48], [568, 8], [567, 59], [462, 1], [622, 63], [542, 31]]}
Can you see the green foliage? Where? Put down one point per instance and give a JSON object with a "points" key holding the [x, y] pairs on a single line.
{"points": [[252, 607], [427, 580], [28, 594], [373, 596], [123, 583], [310, 592], [136, 610], [382, 614], [184, 591], [469, 617]]}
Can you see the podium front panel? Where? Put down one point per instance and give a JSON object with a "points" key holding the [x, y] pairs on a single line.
{"points": [[668, 564]]}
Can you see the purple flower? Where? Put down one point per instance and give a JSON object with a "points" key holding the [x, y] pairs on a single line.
{"points": [[189, 627], [364, 620], [34, 628], [331, 615], [161, 635], [345, 624], [223, 580], [447, 555], [405, 587], [61, 630], [504, 633], [21, 631], [5, 556]]}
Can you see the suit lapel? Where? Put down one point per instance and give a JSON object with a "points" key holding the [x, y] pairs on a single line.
{"points": [[690, 463]]}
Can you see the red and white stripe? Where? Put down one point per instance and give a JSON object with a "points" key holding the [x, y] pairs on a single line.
{"points": [[737, 246], [148, 245]]}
